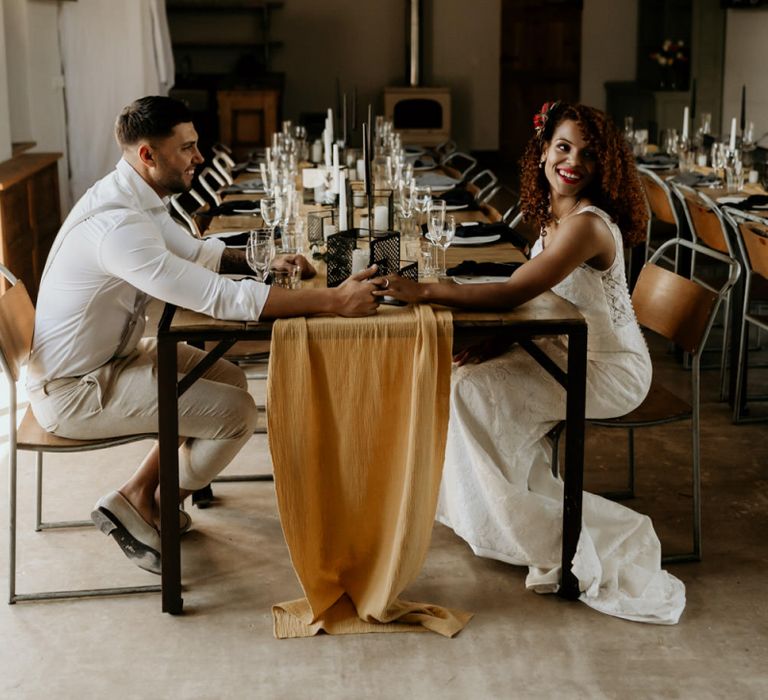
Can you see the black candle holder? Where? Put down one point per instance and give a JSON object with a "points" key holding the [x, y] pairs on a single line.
{"points": [[383, 247], [409, 270], [316, 222]]}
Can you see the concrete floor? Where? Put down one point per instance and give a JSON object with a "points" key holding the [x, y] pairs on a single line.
{"points": [[519, 644]]}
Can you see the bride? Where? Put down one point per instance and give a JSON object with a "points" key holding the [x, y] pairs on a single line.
{"points": [[580, 186]]}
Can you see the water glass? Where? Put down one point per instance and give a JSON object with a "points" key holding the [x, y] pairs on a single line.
{"points": [[734, 171], [641, 141], [289, 278], [259, 251], [292, 236]]}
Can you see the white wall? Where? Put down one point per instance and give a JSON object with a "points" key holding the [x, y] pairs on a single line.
{"points": [[363, 44], [5, 114], [745, 46], [608, 46], [35, 105], [466, 54]]}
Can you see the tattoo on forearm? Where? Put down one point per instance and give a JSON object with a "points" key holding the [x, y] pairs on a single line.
{"points": [[233, 262]]}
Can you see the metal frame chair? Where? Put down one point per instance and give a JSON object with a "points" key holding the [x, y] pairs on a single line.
{"points": [[752, 238], [17, 314], [188, 216], [444, 149], [221, 163], [682, 311], [210, 189], [709, 228], [661, 207], [483, 182], [458, 164]]}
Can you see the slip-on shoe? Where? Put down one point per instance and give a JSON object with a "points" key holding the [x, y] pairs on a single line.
{"points": [[185, 521], [140, 542]]}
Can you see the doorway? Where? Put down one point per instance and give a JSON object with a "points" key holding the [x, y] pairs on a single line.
{"points": [[540, 61]]}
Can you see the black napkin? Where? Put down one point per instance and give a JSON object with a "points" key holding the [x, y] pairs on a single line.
{"points": [[240, 187], [457, 197], [236, 239], [228, 208], [473, 268], [658, 159], [752, 202], [696, 179]]}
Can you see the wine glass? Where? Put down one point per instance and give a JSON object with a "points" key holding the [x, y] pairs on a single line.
{"points": [[271, 212], [259, 252], [435, 223], [446, 238]]}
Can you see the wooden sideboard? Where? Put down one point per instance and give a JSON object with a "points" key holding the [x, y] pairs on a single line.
{"points": [[30, 214]]}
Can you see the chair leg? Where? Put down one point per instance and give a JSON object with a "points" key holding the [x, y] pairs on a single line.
{"points": [[742, 359], [12, 499], [40, 524], [724, 351], [629, 492]]}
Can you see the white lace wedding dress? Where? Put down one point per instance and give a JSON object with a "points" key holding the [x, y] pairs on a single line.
{"points": [[498, 492]]}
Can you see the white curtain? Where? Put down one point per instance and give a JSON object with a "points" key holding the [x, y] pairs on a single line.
{"points": [[113, 52]]}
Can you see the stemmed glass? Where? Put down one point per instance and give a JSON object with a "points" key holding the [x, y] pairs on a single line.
{"points": [[446, 238], [259, 252], [435, 225], [271, 212]]}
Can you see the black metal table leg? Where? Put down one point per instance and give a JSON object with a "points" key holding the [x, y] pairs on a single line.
{"points": [[168, 430], [574, 456]]}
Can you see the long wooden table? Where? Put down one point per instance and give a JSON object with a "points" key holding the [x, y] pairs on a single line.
{"points": [[547, 315]]}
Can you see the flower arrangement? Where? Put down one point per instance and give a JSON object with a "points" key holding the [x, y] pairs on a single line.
{"points": [[540, 119], [671, 53]]}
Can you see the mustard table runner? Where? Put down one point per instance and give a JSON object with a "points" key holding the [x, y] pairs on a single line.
{"points": [[358, 412]]}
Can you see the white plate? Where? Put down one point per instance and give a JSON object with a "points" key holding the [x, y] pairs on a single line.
{"points": [[480, 279], [424, 168], [456, 207], [731, 199], [256, 210], [476, 240], [414, 151]]}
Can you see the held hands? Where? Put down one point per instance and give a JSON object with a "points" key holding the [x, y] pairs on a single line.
{"points": [[356, 294], [398, 288], [290, 260]]}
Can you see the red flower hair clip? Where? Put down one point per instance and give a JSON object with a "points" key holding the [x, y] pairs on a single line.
{"points": [[540, 119]]}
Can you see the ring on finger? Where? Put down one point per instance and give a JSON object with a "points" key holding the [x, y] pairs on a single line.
{"points": [[386, 284]]}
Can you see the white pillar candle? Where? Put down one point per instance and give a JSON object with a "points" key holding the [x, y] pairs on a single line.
{"points": [[335, 174], [329, 228], [732, 142], [701, 160], [753, 177], [380, 218], [359, 260], [360, 168], [342, 202], [317, 151], [685, 123], [264, 180]]}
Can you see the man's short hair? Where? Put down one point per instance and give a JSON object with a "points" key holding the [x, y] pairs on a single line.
{"points": [[149, 118]]}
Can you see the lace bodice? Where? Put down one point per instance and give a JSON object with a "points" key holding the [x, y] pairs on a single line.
{"points": [[602, 297]]}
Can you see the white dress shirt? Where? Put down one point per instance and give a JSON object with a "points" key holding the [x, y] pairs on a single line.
{"points": [[119, 246]]}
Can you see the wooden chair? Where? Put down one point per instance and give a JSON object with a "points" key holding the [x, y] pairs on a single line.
{"points": [[709, 228], [682, 311], [752, 238], [663, 219], [17, 318]]}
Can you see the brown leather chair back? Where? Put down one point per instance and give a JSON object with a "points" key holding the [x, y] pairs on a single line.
{"points": [[755, 238], [17, 323], [658, 200], [705, 222], [673, 306]]}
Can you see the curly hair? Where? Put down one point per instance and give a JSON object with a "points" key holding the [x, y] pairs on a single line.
{"points": [[616, 188]]}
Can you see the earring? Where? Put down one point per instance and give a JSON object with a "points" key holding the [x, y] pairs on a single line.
{"points": [[541, 164]]}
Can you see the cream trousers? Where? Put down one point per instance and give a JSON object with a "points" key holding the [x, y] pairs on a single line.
{"points": [[217, 415]]}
